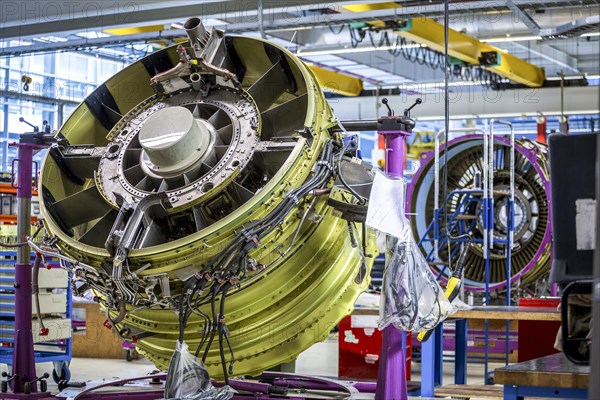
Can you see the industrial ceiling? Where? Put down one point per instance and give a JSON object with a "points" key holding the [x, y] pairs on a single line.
{"points": [[354, 38]]}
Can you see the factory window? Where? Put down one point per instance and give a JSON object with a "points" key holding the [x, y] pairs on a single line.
{"points": [[66, 77], [75, 67]]}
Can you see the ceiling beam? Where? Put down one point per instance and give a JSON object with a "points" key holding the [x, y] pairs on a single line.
{"points": [[470, 50], [28, 18], [73, 45], [36, 98], [524, 17], [549, 53]]}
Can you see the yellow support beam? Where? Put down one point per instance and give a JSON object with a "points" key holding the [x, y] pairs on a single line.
{"points": [[463, 47], [337, 82], [136, 29], [370, 7], [468, 49]]}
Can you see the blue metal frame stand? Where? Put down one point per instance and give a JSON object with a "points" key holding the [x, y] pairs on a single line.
{"points": [[512, 392]]}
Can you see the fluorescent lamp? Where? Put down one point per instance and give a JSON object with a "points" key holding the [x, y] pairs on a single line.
{"points": [[590, 34], [436, 85], [511, 39], [362, 49], [572, 77]]}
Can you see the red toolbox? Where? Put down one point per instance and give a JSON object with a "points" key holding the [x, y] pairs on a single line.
{"points": [[359, 344], [536, 338]]}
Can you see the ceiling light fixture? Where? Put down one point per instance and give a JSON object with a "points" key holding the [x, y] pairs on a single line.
{"points": [[511, 39], [301, 53], [572, 77]]}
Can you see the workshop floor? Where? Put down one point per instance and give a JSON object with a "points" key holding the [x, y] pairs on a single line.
{"points": [[321, 360]]}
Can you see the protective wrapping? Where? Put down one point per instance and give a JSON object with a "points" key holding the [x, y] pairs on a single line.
{"points": [[411, 298], [188, 378]]}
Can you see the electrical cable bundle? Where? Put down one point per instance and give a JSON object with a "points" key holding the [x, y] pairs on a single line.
{"points": [[227, 268], [422, 55]]}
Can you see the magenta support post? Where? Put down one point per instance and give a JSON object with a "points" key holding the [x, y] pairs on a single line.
{"points": [[391, 376], [23, 358]]}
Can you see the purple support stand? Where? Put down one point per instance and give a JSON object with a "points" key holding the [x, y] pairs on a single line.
{"points": [[23, 364], [391, 376]]}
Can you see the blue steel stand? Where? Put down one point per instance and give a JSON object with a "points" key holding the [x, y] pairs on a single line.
{"points": [[62, 353], [432, 354], [487, 215], [512, 392], [460, 352]]}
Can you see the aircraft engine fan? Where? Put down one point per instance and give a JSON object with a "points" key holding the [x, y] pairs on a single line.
{"points": [[532, 234]]}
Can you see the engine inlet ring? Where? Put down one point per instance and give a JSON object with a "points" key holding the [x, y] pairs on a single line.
{"points": [[531, 256]]}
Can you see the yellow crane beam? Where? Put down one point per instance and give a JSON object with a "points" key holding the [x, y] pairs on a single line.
{"points": [[470, 50], [461, 46], [337, 82], [132, 30]]}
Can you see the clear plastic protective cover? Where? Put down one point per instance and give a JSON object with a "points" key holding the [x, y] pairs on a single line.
{"points": [[411, 298], [188, 378]]}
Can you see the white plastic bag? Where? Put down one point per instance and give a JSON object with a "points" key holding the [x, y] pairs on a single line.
{"points": [[411, 298], [188, 379]]}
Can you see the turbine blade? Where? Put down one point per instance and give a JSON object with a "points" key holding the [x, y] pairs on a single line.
{"points": [[81, 207]]}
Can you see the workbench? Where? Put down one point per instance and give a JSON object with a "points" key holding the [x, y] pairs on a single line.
{"points": [[431, 365], [552, 376]]}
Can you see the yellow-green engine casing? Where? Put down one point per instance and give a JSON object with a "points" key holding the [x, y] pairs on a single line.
{"points": [[278, 313]]}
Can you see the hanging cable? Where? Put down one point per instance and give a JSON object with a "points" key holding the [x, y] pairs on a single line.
{"points": [[423, 55], [446, 129], [338, 31]]}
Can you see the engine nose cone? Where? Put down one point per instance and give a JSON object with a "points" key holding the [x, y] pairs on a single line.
{"points": [[173, 139]]}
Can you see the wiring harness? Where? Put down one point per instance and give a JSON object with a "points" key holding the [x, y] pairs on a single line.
{"points": [[227, 269]]}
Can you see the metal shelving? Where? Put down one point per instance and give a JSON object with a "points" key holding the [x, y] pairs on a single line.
{"points": [[56, 306]]}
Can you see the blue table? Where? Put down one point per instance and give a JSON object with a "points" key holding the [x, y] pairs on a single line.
{"points": [[432, 350]]}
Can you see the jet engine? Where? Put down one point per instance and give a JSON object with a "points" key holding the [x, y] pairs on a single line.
{"points": [[532, 224], [194, 192]]}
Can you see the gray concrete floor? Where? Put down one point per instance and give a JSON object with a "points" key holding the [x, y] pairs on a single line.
{"points": [[319, 360]]}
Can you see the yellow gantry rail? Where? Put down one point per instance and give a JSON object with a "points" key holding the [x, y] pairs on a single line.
{"points": [[136, 29], [463, 47], [468, 49], [337, 82]]}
